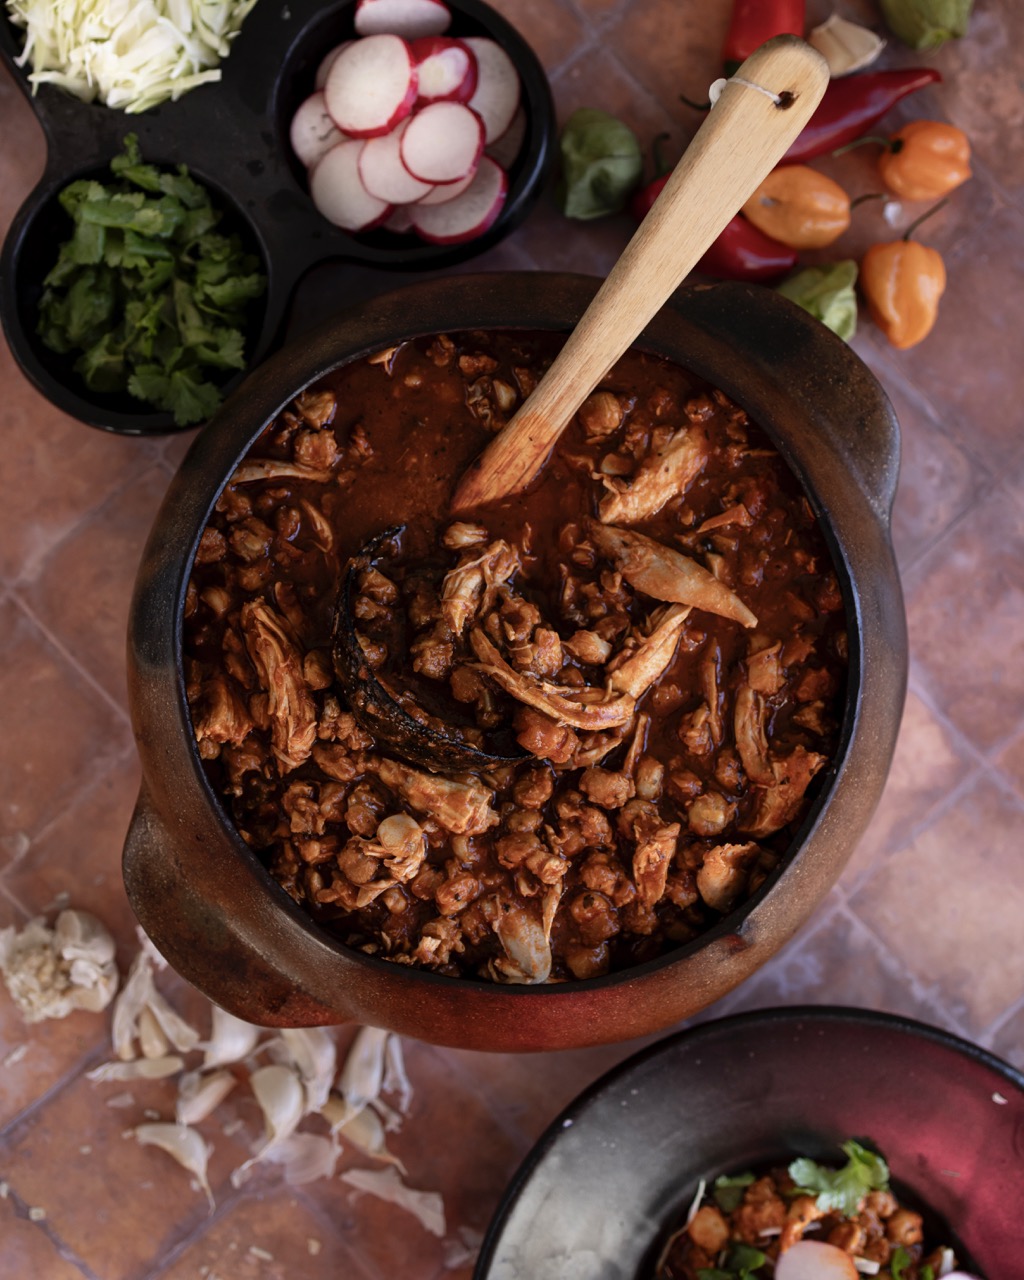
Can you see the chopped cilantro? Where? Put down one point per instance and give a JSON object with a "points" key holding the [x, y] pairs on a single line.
{"points": [[147, 294], [842, 1189], [728, 1192], [898, 1263], [743, 1262]]}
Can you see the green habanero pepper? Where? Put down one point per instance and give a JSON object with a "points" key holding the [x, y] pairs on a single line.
{"points": [[602, 163], [925, 24], [828, 294]]}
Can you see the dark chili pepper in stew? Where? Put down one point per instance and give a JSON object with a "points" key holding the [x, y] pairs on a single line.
{"points": [[755, 21], [854, 104], [742, 252]]}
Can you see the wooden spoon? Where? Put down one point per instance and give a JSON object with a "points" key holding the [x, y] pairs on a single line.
{"points": [[745, 135]]}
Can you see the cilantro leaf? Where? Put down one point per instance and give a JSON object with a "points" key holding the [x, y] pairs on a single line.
{"points": [[728, 1191], [145, 291], [842, 1189], [898, 1263], [742, 1262]]}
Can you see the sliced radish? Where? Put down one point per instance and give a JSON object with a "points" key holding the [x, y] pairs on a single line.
{"points": [[371, 86], [326, 62], [382, 172], [497, 87], [445, 191], [815, 1260], [507, 148], [339, 194], [468, 215], [408, 18], [445, 69], [313, 132], [443, 143], [400, 220]]}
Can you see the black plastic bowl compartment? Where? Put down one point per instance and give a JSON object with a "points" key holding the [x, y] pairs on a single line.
{"points": [[31, 250], [526, 174], [233, 136]]}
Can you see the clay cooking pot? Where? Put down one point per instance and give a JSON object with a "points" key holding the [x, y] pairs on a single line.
{"points": [[214, 911]]}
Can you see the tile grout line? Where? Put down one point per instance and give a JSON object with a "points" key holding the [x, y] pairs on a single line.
{"points": [[918, 990], [68, 656], [64, 1251]]}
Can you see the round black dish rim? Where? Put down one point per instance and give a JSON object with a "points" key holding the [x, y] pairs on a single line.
{"points": [[793, 1073], [233, 136]]}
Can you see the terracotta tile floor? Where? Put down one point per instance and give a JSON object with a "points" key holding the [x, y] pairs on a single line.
{"points": [[926, 919]]}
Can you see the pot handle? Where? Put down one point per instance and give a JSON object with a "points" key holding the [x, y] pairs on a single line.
{"points": [[214, 947]]}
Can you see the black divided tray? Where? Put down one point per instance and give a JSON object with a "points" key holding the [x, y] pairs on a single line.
{"points": [[233, 135]]}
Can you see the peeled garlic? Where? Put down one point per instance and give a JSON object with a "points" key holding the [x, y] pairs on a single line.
{"points": [[365, 1131], [846, 46], [314, 1055], [362, 1076], [199, 1095], [137, 1069], [52, 972]]}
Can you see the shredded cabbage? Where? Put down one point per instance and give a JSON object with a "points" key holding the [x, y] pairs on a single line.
{"points": [[129, 54]]}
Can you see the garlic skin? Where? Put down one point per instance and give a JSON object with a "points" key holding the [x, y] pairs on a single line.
{"points": [[846, 46], [52, 972]]}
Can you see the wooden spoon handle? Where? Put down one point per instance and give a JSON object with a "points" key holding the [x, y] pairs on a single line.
{"points": [[745, 135]]}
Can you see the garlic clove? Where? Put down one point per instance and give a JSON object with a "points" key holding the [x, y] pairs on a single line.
{"points": [[846, 46], [182, 1143]]}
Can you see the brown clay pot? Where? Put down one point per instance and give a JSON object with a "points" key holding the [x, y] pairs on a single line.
{"points": [[207, 902]]}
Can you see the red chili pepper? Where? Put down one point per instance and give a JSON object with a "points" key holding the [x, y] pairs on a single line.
{"points": [[854, 104], [755, 21], [742, 252]]}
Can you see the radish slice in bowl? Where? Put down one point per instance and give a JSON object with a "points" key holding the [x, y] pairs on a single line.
{"points": [[326, 62], [408, 18], [442, 192], [445, 69], [815, 1260], [371, 86], [497, 90], [313, 132], [443, 142], [384, 175], [338, 190], [469, 214]]}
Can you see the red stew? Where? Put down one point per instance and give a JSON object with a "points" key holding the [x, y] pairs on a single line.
{"points": [[644, 659]]}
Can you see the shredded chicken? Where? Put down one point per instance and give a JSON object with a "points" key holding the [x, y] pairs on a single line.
{"points": [[278, 664], [462, 807], [471, 587], [664, 475], [665, 574]]}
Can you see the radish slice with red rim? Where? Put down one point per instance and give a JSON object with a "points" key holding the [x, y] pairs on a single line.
{"points": [[445, 69], [399, 221], [443, 143], [507, 148], [384, 175], [371, 86], [815, 1260], [338, 191], [326, 62], [468, 215], [497, 89], [408, 18], [445, 191], [313, 132]]}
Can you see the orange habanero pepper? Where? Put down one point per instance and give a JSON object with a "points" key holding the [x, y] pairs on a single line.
{"points": [[902, 282], [799, 207], [925, 159]]}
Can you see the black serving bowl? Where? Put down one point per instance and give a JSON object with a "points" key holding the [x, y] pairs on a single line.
{"points": [[212, 908], [616, 1171], [233, 136]]}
